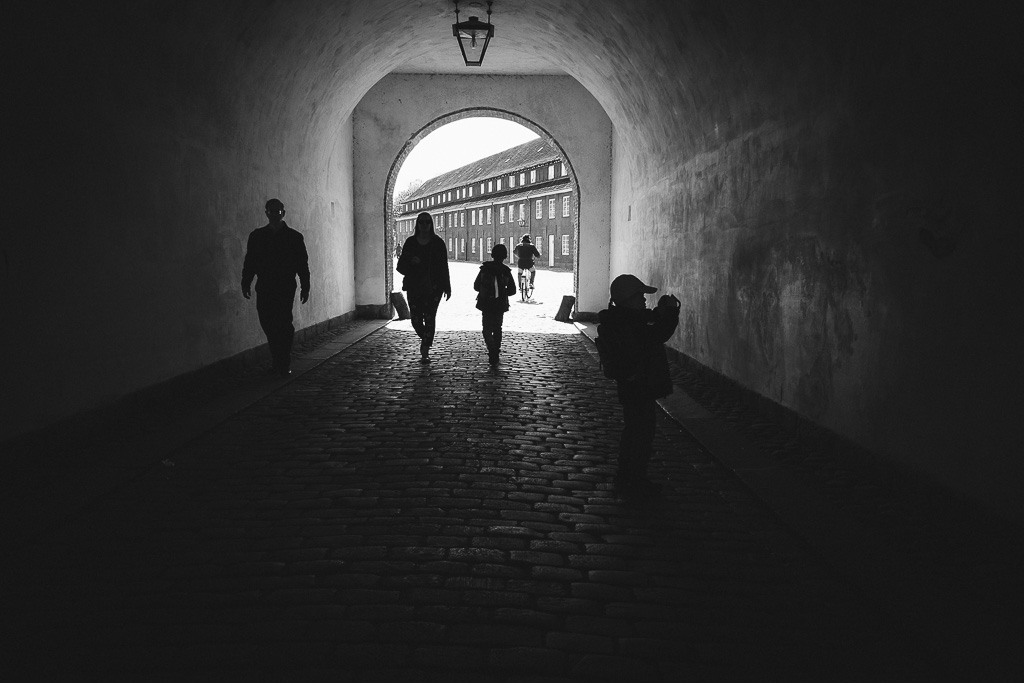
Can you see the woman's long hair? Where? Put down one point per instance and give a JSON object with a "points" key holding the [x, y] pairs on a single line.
{"points": [[425, 219]]}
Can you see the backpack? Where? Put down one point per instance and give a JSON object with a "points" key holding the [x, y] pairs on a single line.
{"points": [[616, 361], [493, 288]]}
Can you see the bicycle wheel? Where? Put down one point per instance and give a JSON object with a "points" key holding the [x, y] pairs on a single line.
{"points": [[529, 290], [522, 288]]}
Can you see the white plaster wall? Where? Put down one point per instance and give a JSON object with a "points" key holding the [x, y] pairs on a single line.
{"points": [[135, 207], [400, 105]]}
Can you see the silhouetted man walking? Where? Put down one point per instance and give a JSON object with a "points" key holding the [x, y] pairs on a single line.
{"points": [[274, 255]]}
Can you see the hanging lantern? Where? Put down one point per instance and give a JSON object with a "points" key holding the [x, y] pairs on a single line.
{"points": [[473, 36]]}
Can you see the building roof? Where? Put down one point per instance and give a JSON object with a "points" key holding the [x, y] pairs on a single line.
{"points": [[491, 200], [532, 153]]}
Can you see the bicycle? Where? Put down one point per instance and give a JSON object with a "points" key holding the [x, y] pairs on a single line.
{"points": [[525, 285]]}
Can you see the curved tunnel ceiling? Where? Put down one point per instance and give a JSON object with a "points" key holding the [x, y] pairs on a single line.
{"points": [[310, 63], [281, 77]]}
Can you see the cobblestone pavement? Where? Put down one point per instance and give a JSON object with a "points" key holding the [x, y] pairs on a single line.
{"points": [[377, 519], [385, 520]]}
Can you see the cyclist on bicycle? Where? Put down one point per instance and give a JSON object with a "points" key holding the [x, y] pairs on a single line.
{"points": [[525, 252]]}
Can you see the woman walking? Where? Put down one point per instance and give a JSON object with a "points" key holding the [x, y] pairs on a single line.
{"points": [[424, 263]]}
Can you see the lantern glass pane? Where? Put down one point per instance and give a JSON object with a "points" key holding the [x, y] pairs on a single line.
{"points": [[473, 37]]}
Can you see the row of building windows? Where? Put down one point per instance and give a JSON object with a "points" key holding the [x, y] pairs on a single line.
{"points": [[484, 216], [460, 243], [486, 187], [469, 233]]}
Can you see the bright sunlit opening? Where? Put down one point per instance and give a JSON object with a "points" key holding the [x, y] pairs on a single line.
{"points": [[456, 144]]}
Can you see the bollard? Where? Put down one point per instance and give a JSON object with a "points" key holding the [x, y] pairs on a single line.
{"points": [[398, 301], [565, 310]]}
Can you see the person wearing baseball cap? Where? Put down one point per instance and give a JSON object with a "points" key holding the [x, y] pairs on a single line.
{"points": [[633, 338], [626, 286]]}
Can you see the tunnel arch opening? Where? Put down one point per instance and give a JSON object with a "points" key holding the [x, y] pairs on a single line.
{"points": [[390, 213]]}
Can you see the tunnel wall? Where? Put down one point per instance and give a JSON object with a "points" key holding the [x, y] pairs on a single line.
{"points": [[142, 161], [830, 188], [837, 224], [399, 105]]}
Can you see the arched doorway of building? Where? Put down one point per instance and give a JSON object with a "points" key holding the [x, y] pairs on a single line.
{"points": [[472, 219]]}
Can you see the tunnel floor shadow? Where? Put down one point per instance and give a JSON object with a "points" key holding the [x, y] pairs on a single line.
{"points": [[382, 519]]}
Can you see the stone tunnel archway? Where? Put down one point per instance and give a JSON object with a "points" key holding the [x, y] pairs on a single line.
{"points": [[386, 127], [440, 121]]}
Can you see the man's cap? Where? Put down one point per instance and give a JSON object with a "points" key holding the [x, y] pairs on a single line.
{"points": [[526, 238], [626, 285]]}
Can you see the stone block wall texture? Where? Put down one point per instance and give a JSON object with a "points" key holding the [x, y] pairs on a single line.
{"points": [[830, 189]]}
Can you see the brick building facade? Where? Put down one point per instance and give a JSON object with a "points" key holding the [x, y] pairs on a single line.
{"points": [[524, 190]]}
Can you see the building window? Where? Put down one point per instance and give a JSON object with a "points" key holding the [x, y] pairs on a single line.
{"points": [[449, 244], [489, 245], [472, 246], [551, 208], [488, 216], [551, 172], [463, 245], [490, 186], [565, 206], [522, 211], [533, 176], [522, 178], [481, 188], [540, 209], [440, 221], [472, 218], [565, 171], [565, 245], [501, 241], [501, 215], [462, 220], [511, 181]]}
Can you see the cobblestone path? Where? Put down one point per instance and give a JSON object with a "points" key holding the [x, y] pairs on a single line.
{"points": [[379, 519]]}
